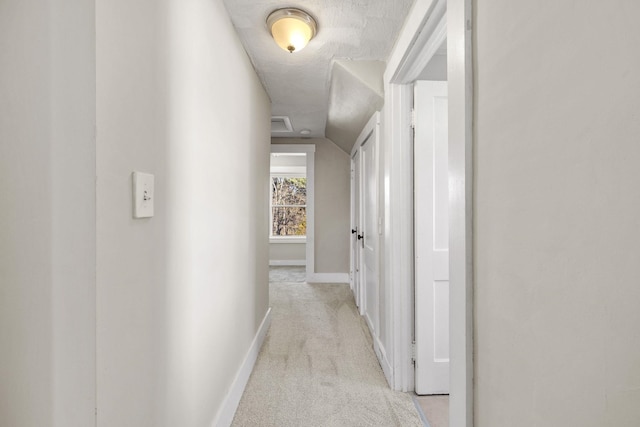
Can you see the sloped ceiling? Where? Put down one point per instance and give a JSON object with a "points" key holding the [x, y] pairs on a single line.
{"points": [[357, 91], [299, 83]]}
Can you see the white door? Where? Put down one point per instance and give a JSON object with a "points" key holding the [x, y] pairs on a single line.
{"points": [[355, 229], [431, 221], [368, 233]]}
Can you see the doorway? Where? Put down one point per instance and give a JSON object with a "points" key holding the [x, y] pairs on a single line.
{"points": [[287, 209], [432, 23], [291, 210]]}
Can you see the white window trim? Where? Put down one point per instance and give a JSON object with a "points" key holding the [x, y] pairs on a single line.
{"points": [[288, 239]]}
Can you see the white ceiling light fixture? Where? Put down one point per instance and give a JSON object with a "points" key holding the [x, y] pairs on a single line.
{"points": [[291, 28]]}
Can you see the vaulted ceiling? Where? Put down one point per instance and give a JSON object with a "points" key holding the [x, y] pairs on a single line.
{"points": [[333, 85]]}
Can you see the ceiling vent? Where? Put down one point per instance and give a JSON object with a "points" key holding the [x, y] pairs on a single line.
{"points": [[281, 124]]}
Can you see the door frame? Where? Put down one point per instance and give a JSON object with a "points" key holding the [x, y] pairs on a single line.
{"points": [[428, 21], [310, 150]]}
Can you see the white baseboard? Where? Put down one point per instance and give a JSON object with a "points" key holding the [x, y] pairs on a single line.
{"points": [[328, 278], [380, 352], [231, 402], [275, 262], [382, 358]]}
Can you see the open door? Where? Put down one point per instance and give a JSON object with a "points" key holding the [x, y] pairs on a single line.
{"points": [[431, 217]]}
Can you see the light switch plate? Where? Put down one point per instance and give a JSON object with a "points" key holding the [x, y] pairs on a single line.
{"points": [[143, 195]]}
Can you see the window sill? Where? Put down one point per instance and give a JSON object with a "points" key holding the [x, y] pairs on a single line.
{"points": [[287, 240]]}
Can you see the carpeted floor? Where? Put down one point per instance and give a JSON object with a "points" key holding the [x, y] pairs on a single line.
{"points": [[317, 366], [288, 274]]}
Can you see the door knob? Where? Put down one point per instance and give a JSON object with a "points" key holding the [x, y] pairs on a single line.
{"points": [[354, 231], [360, 236]]}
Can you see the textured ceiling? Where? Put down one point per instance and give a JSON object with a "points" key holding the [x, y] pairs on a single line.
{"points": [[298, 84]]}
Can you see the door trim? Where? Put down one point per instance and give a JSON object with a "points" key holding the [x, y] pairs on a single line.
{"points": [[460, 76], [413, 42]]}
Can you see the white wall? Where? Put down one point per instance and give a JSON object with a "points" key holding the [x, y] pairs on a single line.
{"points": [[180, 295], [332, 204], [47, 213], [556, 213]]}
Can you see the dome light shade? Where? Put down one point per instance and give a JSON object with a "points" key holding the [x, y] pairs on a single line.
{"points": [[291, 28]]}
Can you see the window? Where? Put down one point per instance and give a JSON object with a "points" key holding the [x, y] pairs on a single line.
{"points": [[288, 206]]}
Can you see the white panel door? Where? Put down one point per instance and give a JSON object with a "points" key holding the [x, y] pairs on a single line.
{"points": [[431, 204], [368, 234], [355, 230]]}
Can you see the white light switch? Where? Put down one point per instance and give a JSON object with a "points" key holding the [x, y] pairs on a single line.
{"points": [[143, 196]]}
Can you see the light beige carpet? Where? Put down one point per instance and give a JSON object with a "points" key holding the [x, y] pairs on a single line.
{"points": [[287, 273], [317, 366]]}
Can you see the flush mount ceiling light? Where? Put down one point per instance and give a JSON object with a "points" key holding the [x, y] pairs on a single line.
{"points": [[291, 28]]}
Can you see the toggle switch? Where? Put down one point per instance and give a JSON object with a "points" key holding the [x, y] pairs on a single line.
{"points": [[143, 196]]}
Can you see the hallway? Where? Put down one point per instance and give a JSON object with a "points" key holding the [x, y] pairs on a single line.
{"points": [[317, 366], [109, 319]]}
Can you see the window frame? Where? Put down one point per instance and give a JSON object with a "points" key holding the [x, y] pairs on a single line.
{"points": [[285, 239]]}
